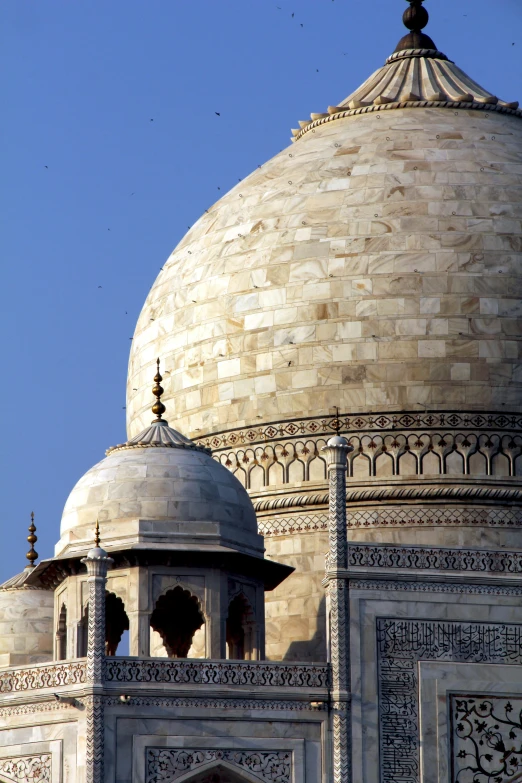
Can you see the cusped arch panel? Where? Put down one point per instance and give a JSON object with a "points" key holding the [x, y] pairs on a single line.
{"points": [[223, 772]]}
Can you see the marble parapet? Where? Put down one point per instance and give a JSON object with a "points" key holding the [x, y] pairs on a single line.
{"points": [[187, 673]]}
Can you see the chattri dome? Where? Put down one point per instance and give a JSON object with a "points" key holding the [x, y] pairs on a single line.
{"points": [[159, 490]]}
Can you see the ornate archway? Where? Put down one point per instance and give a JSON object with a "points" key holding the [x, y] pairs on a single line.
{"points": [[176, 618]]}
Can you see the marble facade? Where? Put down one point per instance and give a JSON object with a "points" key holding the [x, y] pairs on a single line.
{"points": [[325, 584]]}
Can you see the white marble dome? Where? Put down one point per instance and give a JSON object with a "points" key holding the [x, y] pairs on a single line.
{"points": [[159, 491], [374, 265]]}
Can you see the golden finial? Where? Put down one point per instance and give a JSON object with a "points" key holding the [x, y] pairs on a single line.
{"points": [[32, 555], [158, 408], [97, 534]]}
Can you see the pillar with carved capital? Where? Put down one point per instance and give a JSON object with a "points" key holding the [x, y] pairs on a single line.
{"points": [[336, 452], [97, 562]]}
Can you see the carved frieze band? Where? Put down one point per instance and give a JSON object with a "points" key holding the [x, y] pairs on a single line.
{"points": [[26, 769], [400, 645], [207, 702], [166, 765], [179, 671], [436, 558], [388, 516], [346, 424], [428, 444], [42, 676]]}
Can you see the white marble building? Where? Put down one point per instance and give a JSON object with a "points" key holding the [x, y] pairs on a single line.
{"points": [[341, 345]]}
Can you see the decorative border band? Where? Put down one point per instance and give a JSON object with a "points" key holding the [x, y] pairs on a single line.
{"points": [[389, 516], [355, 423], [496, 107]]}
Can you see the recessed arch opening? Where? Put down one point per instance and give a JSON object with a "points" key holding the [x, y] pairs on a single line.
{"points": [[241, 630], [177, 617], [116, 622]]}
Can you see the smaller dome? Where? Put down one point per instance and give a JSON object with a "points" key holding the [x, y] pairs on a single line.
{"points": [[159, 490]]}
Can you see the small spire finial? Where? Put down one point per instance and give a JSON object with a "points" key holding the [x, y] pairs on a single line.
{"points": [[32, 555], [415, 18], [97, 535], [158, 408]]}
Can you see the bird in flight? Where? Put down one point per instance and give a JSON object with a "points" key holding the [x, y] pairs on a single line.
{"points": [[99, 286], [218, 113], [46, 167]]}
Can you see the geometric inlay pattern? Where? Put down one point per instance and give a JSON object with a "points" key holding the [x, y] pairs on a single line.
{"points": [[400, 645], [165, 765], [486, 739], [27, 769]]}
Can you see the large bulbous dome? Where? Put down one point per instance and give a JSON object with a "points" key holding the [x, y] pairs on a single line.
{"points": [[374, 265]]}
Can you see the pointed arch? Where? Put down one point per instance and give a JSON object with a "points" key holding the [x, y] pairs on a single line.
{"points": [[116, 622], [222, 772]]}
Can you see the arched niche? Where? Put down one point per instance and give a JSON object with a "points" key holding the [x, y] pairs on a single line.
{"points": [[431, 464], [222, 772], [296, 471], [317, 469], [276, 474], [241, 630], [176, 618], [116, 622], [61, 634], [257, 477]]}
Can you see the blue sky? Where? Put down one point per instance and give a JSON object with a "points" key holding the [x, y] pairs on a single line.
{"points": [[111, 148]]}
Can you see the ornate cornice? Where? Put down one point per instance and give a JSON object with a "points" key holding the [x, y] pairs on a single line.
{"points": [[467, 493]]}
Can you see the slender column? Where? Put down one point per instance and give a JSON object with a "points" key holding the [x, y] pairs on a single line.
{"points": [[97, 562], [336, 451]]}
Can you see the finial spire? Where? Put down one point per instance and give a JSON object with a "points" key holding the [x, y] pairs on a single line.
{"points": [[415, 18], [158, 408], [32, 555], [97, 534]]}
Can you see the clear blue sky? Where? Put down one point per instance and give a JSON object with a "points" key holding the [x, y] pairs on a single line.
{"points": [[94, 193]]}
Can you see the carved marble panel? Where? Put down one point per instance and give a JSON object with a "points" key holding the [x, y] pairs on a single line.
{"points": [[486, 738], [26, 769], [166, 765], [401, 644]]}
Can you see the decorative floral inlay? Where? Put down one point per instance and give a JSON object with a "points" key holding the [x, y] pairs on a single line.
{"points": [[486, 739], [27, 769]]}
